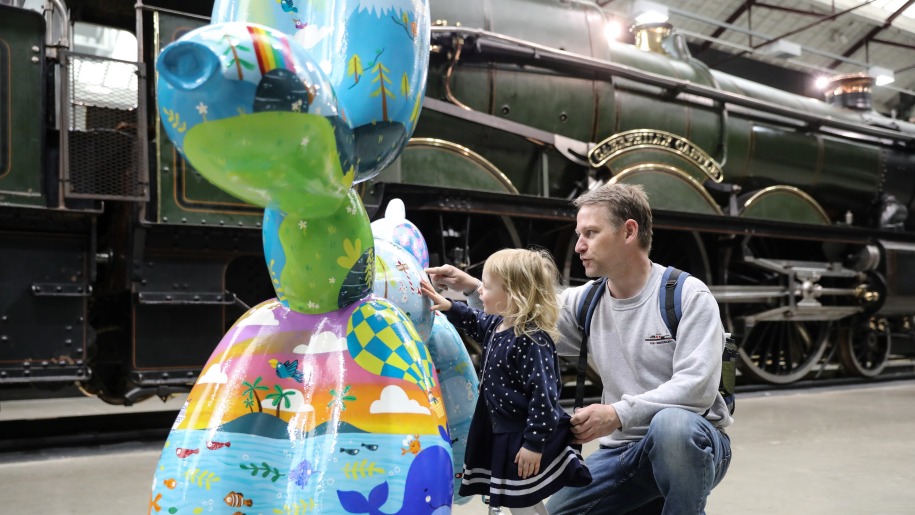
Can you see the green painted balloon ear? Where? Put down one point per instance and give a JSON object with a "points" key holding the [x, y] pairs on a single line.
{"points": [[187, 65]]}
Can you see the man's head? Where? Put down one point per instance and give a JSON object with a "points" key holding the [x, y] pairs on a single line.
{"points": [[623, 202], [611, 219]]}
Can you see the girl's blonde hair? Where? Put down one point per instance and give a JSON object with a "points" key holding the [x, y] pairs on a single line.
{"points": [[530, 280]]}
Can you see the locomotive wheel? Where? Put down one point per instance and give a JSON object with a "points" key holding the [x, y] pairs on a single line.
{"points": [[782, 352], [777, 352], [865, 352]]}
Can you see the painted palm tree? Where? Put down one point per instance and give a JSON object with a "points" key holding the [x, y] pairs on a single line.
{"points": [[251, 391], [236, 59], [280, 396], [341, 398]]}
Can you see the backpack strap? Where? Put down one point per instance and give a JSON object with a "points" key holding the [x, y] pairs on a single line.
{"points": [[669, 299], [585, 312], [671, 312], [588, 303]]}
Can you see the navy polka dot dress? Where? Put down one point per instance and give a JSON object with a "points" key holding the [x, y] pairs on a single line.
{"points": [[518, 406]]}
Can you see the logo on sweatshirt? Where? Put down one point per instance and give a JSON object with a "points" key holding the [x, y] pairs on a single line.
{"points": [[659, 339]]}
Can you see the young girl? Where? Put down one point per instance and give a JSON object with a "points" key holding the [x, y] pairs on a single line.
{"points": [[518, 449]]}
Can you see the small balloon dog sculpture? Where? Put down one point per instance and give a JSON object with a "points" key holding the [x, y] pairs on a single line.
{"points": [[401, 251], [324, 399]]}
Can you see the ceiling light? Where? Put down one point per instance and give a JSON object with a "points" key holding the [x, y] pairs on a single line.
{"points": [[882, 76], [782, 49], [648, 12], [821, 82]]}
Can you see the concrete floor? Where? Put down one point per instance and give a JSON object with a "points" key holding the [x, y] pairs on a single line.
{"points": [[845, 450]]}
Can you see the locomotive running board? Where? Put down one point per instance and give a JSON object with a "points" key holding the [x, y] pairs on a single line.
{"points": [[573, 150]]}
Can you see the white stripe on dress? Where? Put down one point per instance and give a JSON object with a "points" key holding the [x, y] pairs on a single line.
{"points": [[519, 487]]}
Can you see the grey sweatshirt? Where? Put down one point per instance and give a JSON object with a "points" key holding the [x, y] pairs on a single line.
{"points": [[643, 372]]}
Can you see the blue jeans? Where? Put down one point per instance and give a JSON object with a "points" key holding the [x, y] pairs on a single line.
{"points": [[680, 460]]}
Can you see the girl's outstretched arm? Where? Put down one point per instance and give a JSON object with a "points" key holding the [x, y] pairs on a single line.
{"points": [[474, 322], [448, 276]]}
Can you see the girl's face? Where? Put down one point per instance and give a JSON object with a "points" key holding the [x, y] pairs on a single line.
{"points": [[493, 295]]}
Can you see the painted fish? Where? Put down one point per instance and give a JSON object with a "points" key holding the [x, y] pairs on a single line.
{"points": [[184, 453], [218, 445], [170, 483], [412, 443], [237, 499]]}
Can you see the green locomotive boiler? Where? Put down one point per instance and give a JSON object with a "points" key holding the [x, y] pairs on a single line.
{"points": [[121, 267]]}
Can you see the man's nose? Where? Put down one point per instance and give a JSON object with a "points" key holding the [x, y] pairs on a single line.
{"points": [[580, 245]]}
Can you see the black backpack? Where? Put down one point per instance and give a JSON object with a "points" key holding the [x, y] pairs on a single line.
{"points": [[671, 311]]}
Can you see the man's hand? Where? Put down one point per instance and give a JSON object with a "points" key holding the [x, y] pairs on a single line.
{"points": [[528, 463], [594, 421], [439, 303], [447, 276]]}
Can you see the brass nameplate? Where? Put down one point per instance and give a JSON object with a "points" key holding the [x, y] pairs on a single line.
{"points": [[643, 138]]}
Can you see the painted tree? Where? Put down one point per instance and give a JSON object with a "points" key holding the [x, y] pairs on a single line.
{"points": [[354, 68], [408, 26], [405, 85], [251, 391], [416, 107], [236, 60], [341, 398], [383, 87], [280, 396]]}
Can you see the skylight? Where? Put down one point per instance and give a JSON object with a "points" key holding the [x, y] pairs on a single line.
{"points": [[892, 6]]}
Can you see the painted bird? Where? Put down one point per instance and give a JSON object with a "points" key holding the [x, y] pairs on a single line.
{"points": [[287, 369]]}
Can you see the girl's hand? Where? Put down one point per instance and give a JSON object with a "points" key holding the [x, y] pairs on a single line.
{"points": [[439, 303], [528, 463], [447, 276]]}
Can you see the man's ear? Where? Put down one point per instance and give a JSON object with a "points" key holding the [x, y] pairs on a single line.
{"points": [[632, 229]]}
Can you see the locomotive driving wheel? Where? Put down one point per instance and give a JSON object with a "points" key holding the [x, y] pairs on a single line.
{"points": [[865, 349], [772, 351]]}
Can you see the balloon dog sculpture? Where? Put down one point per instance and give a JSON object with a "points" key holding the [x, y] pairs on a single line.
{"points": [[323, 400], [401, 252]]}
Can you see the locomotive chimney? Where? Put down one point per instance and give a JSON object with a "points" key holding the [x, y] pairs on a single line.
{"points": [[659, 38], [852, 91]]}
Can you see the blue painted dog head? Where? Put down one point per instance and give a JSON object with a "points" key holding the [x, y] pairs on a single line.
{"points": [[251, 112]]}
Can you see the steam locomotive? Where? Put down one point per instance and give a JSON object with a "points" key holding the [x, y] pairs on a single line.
{"points": [[122, 267]]}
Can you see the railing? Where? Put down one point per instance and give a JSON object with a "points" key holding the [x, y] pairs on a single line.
{"points": [[103, 157]]}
